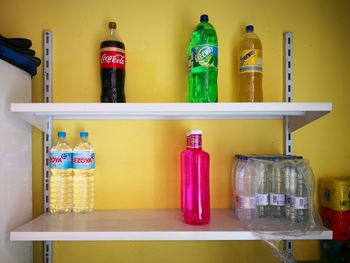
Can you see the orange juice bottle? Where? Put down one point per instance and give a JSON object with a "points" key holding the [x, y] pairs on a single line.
{"points": [[250, 71]]}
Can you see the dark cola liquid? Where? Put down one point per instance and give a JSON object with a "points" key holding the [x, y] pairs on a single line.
{"points": [[112, 79]]}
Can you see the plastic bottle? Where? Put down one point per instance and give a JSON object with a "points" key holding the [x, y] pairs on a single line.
{"points": [[278, 191], [250, 67], [83, 175], [237, 166], [203, 63], [290, 180], [112, 66], [299, 212], [262, 196], [195, 181], [61, 176], [246, 190]]}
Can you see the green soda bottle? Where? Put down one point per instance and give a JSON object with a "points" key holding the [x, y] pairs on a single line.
{"points": [[203, 63]]}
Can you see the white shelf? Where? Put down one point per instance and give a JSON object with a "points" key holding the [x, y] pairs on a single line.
{"points": [[158, 224], [300, 113], [145, 225]]}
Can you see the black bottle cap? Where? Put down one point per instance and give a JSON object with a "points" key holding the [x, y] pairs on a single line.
{"points": [[249, 28], [204, 18], [112, 25]]}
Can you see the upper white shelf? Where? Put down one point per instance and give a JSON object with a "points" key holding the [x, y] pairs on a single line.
{"points": [[163, 224], [300, 113]]}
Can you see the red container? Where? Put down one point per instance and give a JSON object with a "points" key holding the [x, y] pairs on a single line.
{"points": [[339, 222]]}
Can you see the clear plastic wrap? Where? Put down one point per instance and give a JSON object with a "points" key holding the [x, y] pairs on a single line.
{"points": [[273, 195]]}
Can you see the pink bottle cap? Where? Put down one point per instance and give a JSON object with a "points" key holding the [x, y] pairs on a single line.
{"points": [[194, 139]]}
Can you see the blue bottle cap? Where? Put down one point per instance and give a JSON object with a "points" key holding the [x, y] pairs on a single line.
{"points": [[249, 28], [84, 134], [61, 134], [204, 18]]}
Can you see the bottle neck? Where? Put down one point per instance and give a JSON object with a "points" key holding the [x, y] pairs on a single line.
{"points": [[61, 139], [194, 141], [83, 139], [112, 32], [112, 35]]}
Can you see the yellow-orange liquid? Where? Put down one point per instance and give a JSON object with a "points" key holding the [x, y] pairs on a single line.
{"points": [[250, 82], [83, 190], [61, 191]]}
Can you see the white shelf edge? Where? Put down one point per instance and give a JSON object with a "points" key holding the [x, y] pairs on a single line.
{"points": [[133, 225], [162, 236], [300, 113]]}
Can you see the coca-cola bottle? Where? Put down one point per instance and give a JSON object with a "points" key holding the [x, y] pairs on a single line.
{"points": [[112, 66]]}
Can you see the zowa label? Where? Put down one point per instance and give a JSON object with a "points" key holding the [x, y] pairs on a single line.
{"points": [[84, 160], [60, 160]]}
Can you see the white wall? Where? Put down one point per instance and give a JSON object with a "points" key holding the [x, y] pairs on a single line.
{"points": [[15, 164]]}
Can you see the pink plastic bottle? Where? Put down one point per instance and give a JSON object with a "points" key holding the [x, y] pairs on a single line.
{"points": [[195, 196]]}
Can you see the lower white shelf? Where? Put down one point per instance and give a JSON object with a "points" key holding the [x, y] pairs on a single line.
{"points": [[163, 224]]}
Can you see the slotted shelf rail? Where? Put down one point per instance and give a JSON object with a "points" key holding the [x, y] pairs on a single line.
{"points": [[161, 224]]}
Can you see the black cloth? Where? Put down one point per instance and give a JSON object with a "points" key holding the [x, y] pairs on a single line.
{"points": [[17, 52]]}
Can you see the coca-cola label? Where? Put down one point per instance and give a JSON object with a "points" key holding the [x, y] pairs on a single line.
{"points": [[112, 57]]}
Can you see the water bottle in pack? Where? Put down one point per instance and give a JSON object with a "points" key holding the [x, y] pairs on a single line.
{"points": [[245, 188]]}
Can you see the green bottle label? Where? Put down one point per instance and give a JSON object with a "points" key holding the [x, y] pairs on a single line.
{"points": [[204, 56]]}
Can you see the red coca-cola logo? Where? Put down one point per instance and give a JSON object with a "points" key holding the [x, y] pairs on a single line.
{"points": [[115, 59], [110, 58]]}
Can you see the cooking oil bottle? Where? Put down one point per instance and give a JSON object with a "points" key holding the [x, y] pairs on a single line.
{"points": [[83, 175], [61, 176]]}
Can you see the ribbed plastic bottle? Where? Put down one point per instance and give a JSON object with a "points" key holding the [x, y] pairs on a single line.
{"points": [[61, 176], [278, 190], [195, 195], [290, 180], [250, 70], [83, 175], [262, 196], [203, 63], [299, 206], [246, 190]]}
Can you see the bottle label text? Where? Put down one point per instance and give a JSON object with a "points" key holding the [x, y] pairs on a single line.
{"points": [[112, 57], [60, 160]]}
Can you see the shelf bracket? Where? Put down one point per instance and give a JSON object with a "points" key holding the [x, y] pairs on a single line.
{"points": [[288, 95], [47, 133]]}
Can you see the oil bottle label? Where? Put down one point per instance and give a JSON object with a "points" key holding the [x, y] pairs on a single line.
{"points": [[112, 57], [84, 160], [251, 61], [203, 56], [60, 160]]}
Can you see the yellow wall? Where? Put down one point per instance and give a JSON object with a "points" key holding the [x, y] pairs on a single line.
{"points": [[137, 161]]}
